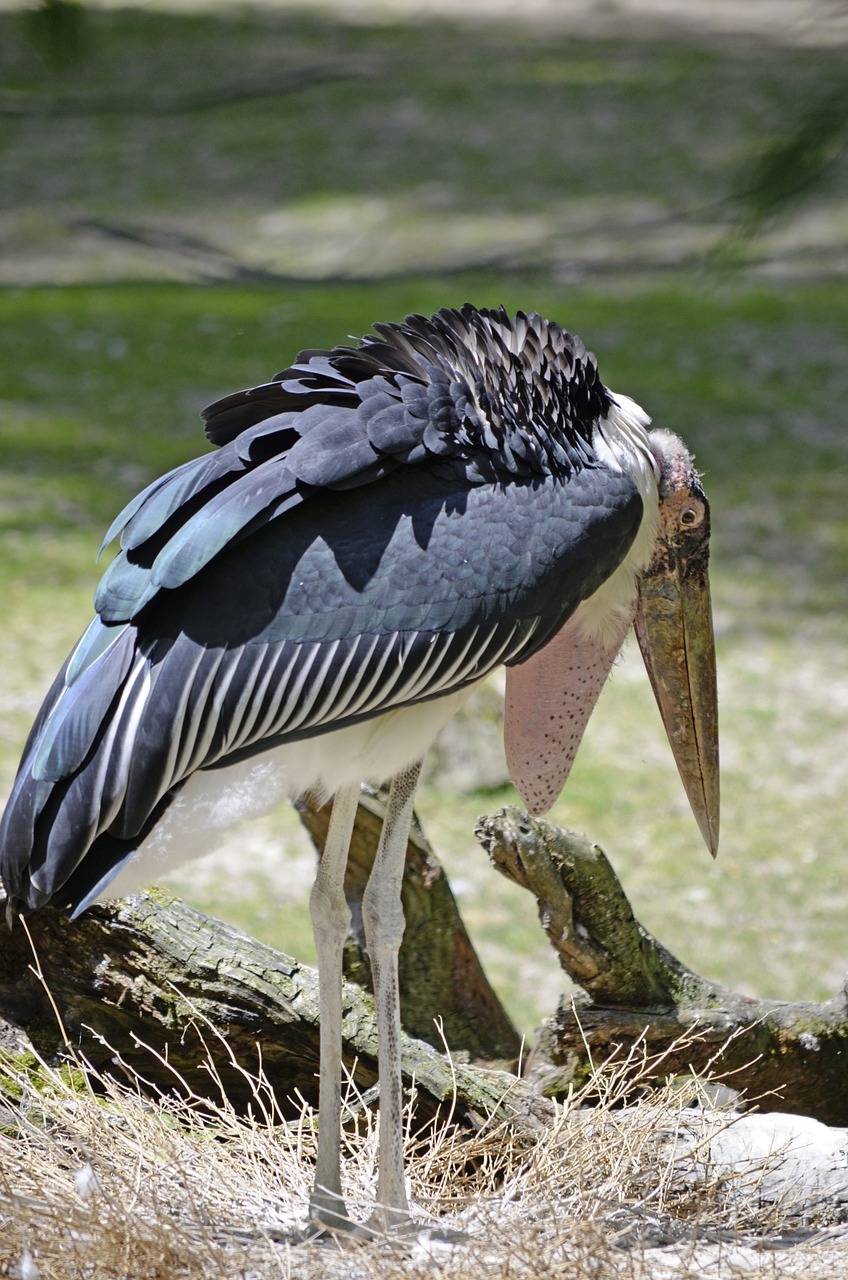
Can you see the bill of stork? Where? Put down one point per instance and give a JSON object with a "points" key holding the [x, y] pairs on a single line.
{"points": [[381, 527]]}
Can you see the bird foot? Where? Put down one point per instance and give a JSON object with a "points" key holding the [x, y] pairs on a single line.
{"points": [[386, 1221], [329, 1220], [328, 1215], [335, 1224], [341, 1231]]}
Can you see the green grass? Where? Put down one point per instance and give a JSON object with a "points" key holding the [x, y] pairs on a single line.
{"points": [[569, 167]]}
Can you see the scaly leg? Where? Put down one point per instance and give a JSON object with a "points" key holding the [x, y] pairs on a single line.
{"points": [[382, 915], [330, 923]]}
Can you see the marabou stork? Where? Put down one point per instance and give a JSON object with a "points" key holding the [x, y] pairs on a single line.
{"points": [[382, 526]]}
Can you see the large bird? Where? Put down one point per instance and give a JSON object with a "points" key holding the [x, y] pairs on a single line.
{"points": [[381, 527]]}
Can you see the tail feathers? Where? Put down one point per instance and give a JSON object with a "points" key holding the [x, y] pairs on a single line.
{"points": [[26, 803], [106, 857], [114, 748], [72, 780]]}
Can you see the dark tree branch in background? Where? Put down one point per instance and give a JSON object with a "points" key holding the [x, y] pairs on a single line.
{"points": [[151, 103], [208, 261], [795, 163], [634, 989], [202, 258]]}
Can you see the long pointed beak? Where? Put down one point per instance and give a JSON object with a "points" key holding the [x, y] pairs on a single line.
{"points": [[674, 626]]}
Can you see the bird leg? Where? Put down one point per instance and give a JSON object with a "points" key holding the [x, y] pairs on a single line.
{"points": [[382, 915], [330, 923]]}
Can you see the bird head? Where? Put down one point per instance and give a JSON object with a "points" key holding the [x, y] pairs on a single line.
{"points": [[673, 623], [551, 695]]}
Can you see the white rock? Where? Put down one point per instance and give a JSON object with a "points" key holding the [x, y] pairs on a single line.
{"points": [[781, 1158]]}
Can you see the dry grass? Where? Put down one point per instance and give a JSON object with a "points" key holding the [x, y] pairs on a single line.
{"points": [[98, 1181]]}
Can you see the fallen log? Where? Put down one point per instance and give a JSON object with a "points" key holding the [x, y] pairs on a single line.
{"points": [[150, 985], [634, 991], [162, 986]]}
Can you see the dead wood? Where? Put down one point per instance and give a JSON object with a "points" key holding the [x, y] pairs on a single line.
{"points": [[152, 983], [159, 986], [634, 990]]}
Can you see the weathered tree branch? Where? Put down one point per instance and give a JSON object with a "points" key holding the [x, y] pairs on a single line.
{"points": [[636, 989], [150, 973]]}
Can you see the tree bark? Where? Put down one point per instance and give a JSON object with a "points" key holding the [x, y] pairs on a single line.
{"points": [[149, 982], [634, 991], [158, 986], [445, 995]]}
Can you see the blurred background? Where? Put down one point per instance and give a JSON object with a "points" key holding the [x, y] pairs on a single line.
{"points": [[191, 192]]}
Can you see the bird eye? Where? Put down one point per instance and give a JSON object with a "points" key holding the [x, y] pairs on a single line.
{"points": [[690, 516]]}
